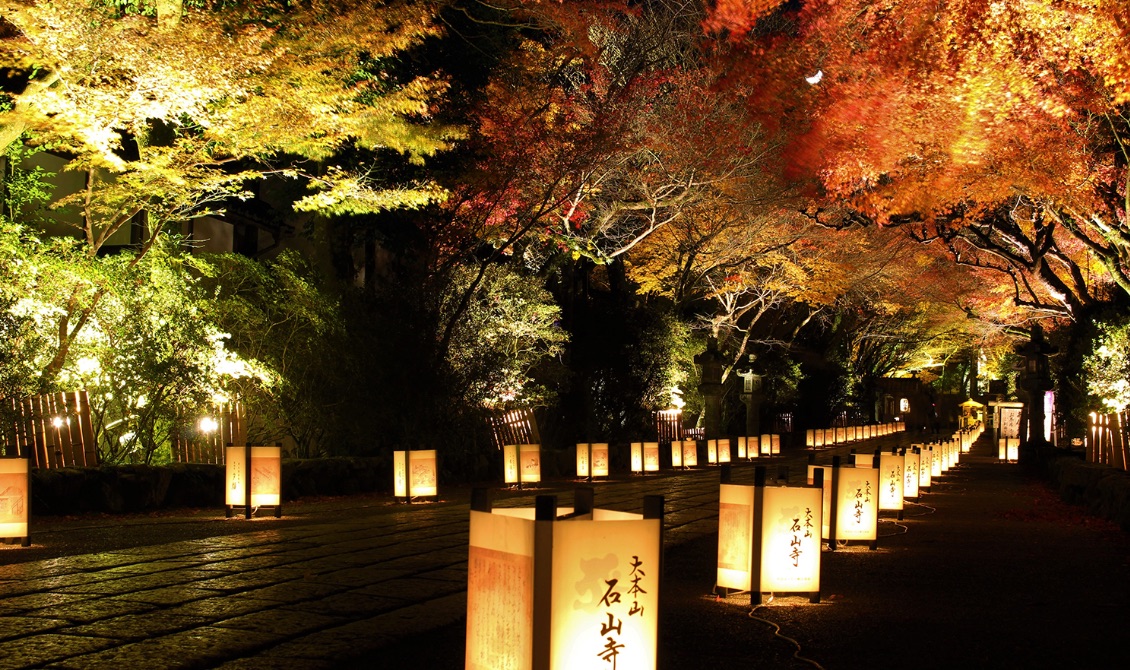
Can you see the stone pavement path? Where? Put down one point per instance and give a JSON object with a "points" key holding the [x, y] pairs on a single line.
{"points": [[316, 594], [368, 584]]}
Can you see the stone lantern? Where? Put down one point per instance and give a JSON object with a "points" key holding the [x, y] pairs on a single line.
{"points": [[709, 364]]}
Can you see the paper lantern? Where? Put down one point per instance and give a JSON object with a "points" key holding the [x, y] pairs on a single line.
{"points": [[735, 537], [600, 459], [743, 454], [891, 482], [569, 591], [724, 450], [937, 460], [769, 539], [14, 507], [521, 464], [690, 454], [265, 469], [926, 466], [911, 462], [865, 460], [583, 454], [770, 445], [856, 504], [414, 473], [826, 485], [651, 457], [677, 454], [1008, 449], [712, 452], [637, 457], [592, 460]]}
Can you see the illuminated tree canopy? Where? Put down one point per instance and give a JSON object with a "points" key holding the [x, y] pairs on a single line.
{"points": [[883, 184]]}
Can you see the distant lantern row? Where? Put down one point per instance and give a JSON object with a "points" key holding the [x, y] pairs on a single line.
{"points": [[818, 438], [579, 587], [771, 536]]}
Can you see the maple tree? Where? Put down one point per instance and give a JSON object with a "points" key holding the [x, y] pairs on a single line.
{"points": [[997, 127], [169, 117]]}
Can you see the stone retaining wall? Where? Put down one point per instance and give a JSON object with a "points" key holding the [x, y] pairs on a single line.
{"points": [[1100, 489]]}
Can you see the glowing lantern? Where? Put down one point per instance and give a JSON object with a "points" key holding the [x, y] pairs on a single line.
{"points": [[911, 462], [810, 438], [925, 467], [592, 460], [712, 452], [841, 435], [676, 454], [855, 512], [724, 450], [826, 485], [575, 590], [690, 454], [743, 454], [651, 457], [414, 474], [521, 463], [1008, 449], [263, 469], [770, 532], [735, 537], [15, 483], [770, 445], [863, 460], [637, 457], [937, 460], [891, 468]]}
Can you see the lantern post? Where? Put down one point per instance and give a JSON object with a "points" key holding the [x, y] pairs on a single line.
{"points": [[709, 364]]}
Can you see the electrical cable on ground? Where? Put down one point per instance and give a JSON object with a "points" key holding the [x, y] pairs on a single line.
{"points": [[918, 504], [905, 530], [777, 633]]}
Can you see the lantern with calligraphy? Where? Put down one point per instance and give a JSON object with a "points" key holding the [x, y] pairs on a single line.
{"points": [[744, 451], [651, 457], [1008, 449], [263, 470], [769, 538], [891, 482], [15, 483], [690, 454], [770, 445], [637, 457], [938, 460], [712, 452], [825, 476], [414, 474], [911, 462], [855, 504], [724, 450], [925, 467], [592, 460], [521, 464], [571, 589]]}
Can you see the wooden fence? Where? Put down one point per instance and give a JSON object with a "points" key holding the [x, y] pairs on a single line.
{"points": [[1107, 439], [516, 426], [669, 426], [202, 439], [51, 430]]}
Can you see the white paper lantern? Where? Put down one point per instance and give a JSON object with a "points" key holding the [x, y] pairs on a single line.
{"points": [[14, 501]]}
